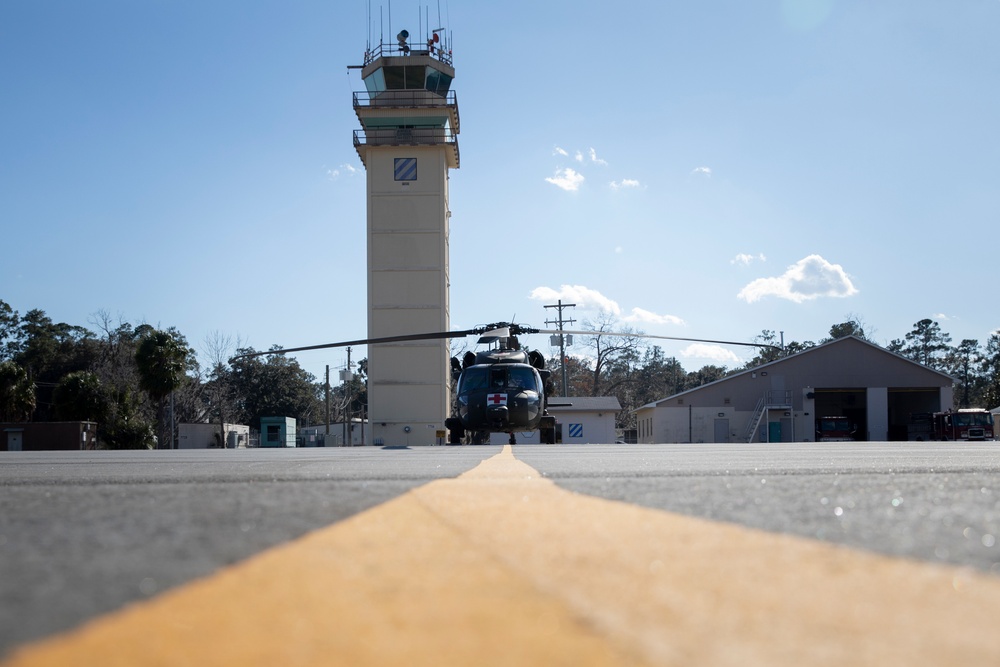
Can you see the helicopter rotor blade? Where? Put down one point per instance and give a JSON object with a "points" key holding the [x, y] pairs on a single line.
{"points": [[641, 335], [436, 335], [489, 333]]}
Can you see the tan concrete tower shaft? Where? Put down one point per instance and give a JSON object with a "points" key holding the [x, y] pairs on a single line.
{"points": [[408, 144]]}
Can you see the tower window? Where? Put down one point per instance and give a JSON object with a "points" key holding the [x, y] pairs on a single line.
{"points": [[437, 82], [395, 78], [414, 77], [408, 77], [375, 82]]}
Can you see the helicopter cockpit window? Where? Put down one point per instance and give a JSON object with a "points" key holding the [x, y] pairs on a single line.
{"points": [[473, 378], [522, 378], [498, 378]]}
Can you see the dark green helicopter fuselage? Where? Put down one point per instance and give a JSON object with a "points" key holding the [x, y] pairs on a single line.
{"points": [[500, 391]]}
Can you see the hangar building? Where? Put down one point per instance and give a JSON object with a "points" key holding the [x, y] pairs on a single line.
{"points": [[875, 389]]}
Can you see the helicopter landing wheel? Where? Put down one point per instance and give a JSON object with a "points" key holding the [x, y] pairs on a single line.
{"points": [[513, 438], [456, 432], [480, 437]]}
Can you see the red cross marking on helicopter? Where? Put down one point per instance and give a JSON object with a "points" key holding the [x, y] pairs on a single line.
{"points": [[497, 399]]}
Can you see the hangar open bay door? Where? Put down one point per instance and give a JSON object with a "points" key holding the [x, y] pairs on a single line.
{"points": [[849, 403], [904, 403]]}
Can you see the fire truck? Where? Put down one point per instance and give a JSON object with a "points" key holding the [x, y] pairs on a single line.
{"points": [[834, 429], [965, 424]]}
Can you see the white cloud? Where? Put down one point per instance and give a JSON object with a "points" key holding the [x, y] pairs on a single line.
{"points": [[809, 278], [714, 353], [580, 156], [624, 183], [707, 171], [744, 259], [567, 179], [619, 250], [344, 169], [644, 316], [584, 298]]}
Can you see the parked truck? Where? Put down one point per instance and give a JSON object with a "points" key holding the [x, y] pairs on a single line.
{"points": [[964, 424], [835, 429]]}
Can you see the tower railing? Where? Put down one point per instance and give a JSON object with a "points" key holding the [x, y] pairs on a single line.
{"points": [[417, 98], [408, 99], [407, 136], [394, 50]]}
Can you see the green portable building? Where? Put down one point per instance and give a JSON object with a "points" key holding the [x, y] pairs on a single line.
{"points": [[277, 431]]}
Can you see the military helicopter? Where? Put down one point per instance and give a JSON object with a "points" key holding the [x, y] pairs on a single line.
{"points": [[502, 389]]}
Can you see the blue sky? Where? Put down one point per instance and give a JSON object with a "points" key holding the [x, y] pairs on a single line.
{"points": [[705, 169]]}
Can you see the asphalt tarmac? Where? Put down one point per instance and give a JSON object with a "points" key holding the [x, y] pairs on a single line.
{"points": [[83, 533], [86, 533], [937, 502]]}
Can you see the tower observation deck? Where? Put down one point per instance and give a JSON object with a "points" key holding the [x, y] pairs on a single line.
{"points": [[408, 142], [408, 100]]}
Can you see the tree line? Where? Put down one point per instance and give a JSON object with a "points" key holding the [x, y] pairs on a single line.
{"points": [[138, 381]]}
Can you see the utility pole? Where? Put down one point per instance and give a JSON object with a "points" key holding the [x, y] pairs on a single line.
{"points": [[562, 339], [346, 376], [349, 438]]}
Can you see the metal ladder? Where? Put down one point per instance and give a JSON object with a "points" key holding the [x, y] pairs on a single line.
{"points": [[754, 422]]}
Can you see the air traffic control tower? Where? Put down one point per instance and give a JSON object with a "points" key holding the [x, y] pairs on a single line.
{"points": [[408, 142]]}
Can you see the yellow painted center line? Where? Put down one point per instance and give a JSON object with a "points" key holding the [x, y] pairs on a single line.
{"points": [[501, 567]]}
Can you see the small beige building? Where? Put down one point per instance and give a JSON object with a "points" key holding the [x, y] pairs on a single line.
{"points": [[206, 436], [875, 389], [337, 434]]}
